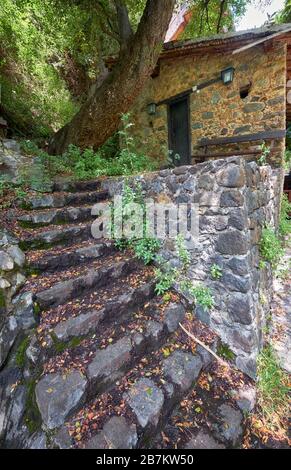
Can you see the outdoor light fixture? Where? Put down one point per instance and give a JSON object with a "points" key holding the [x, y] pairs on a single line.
{"points": [[152, 108], [227, 75]]}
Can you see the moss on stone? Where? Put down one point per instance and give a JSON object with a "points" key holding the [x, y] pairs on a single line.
{"points": [[31, 271], [32, 417], [61, 346], [26, 245], [36, 309], [25, 205], [225, 352], [2, 299], [20, 356]]}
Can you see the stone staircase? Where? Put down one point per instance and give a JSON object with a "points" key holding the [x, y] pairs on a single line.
{"points": [[107, 362]]}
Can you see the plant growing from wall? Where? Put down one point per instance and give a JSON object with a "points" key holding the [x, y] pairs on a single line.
{"points": [[183, 253], [262, 160], [203, 295], [270, 247], [216, 272], [167, 276], [145, 248]]}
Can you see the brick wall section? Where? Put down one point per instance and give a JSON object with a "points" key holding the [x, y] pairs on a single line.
{"points": [[218, 111], [236, 199]]}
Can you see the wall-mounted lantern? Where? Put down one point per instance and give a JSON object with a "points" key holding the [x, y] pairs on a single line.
{"points": [[227, 75], [152, 109]]}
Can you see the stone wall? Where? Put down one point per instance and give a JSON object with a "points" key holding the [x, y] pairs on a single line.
{"points": [[236, 199], [218, 110], [12, 160], [16, 311]]}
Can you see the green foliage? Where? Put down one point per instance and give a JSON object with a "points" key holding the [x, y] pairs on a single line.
{"points": [[146, 249], [61, 346], [273, 390], [183, 253], [262, 160], [129, 160], [109, 160], [165, 279], [2, 299], [285, 212], [270, 247], [20, 356], [214, 16], [32, 417], [216, 272], [225, 352], [9, 192], [203, 295], [284, 16], [287, 160], [46, 47], [51, 52], [29, 147]]}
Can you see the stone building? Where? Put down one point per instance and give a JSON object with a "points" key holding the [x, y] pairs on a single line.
{"points": [[193, 107]]}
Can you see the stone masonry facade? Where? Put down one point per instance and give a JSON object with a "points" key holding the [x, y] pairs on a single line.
{"points": [[236, 199], [218, 110]]}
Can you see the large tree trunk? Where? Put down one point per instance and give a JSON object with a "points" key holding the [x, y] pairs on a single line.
{"points": [[99, 117]]}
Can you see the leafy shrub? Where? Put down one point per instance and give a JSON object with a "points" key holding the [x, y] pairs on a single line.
{"points": [[203, 295], [109, 160], [285, 221], [145, 249], [183, 253], [165, 279], [270, 247]]}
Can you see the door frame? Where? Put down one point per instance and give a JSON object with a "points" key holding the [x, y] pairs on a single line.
{"points": [[183, 97]]}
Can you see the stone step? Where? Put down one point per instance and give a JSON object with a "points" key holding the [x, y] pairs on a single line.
{"points": [[57, 235], [95, 314], [137, 407], [62, 199], [148, 402], [56, 217], [99, 275], [77, 186], [103, 367], [38, 282], [61, 258], [105, 306], [116, 298]]}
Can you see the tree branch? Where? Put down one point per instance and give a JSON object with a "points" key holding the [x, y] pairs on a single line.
{"points": [[222, 5], [124, 26]]}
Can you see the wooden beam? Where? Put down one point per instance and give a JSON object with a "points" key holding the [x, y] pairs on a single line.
{"points": [[260, 41], [268, 135], [227, 154]]}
